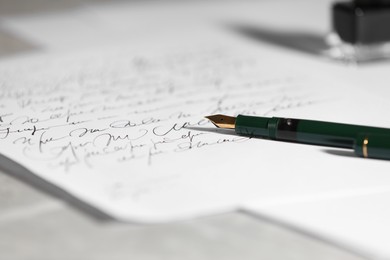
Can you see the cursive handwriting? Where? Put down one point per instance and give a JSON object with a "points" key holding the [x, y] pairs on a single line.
{"points": [[137, 110]]}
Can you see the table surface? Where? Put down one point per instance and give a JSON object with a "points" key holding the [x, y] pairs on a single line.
{"points": [[35, 224]]}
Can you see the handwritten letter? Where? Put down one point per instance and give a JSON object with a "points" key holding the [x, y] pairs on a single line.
{"points": [[127, 132]]}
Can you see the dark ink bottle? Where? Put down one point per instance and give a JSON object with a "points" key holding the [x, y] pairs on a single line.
{"points": [[361, 31]]}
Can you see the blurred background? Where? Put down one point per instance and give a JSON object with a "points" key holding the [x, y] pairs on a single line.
{"points": [[34, 224]]}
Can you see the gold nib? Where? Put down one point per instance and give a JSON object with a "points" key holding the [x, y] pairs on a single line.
{"points": [[223, 121]]}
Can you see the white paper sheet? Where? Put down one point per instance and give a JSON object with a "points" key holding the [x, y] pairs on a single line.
{"points": [[125, 131], [358, 221]]}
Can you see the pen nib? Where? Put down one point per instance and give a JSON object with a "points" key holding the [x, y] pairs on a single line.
{"points": [[222, 121]]}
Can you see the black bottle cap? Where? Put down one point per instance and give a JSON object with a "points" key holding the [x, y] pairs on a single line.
{"points": [[362, 21], [371, 2]]}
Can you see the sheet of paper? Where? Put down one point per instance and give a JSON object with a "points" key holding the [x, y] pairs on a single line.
{"points": [[357, 221], [122, 127], [125, 131]]}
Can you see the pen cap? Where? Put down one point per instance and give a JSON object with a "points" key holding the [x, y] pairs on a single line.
{"points": [[373, 146], [362, 21]]}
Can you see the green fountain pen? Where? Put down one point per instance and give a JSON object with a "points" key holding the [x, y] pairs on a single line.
{"points": [[367, 141]]}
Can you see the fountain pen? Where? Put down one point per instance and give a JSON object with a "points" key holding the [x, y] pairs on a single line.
{"points": [[367, 141]]}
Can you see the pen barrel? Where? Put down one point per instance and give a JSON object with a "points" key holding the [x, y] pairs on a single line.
{"points": [[304, 131], [369, 145], [322, 133]]}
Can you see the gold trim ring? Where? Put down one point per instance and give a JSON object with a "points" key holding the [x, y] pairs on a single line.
{"points": [[364, 147]]}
